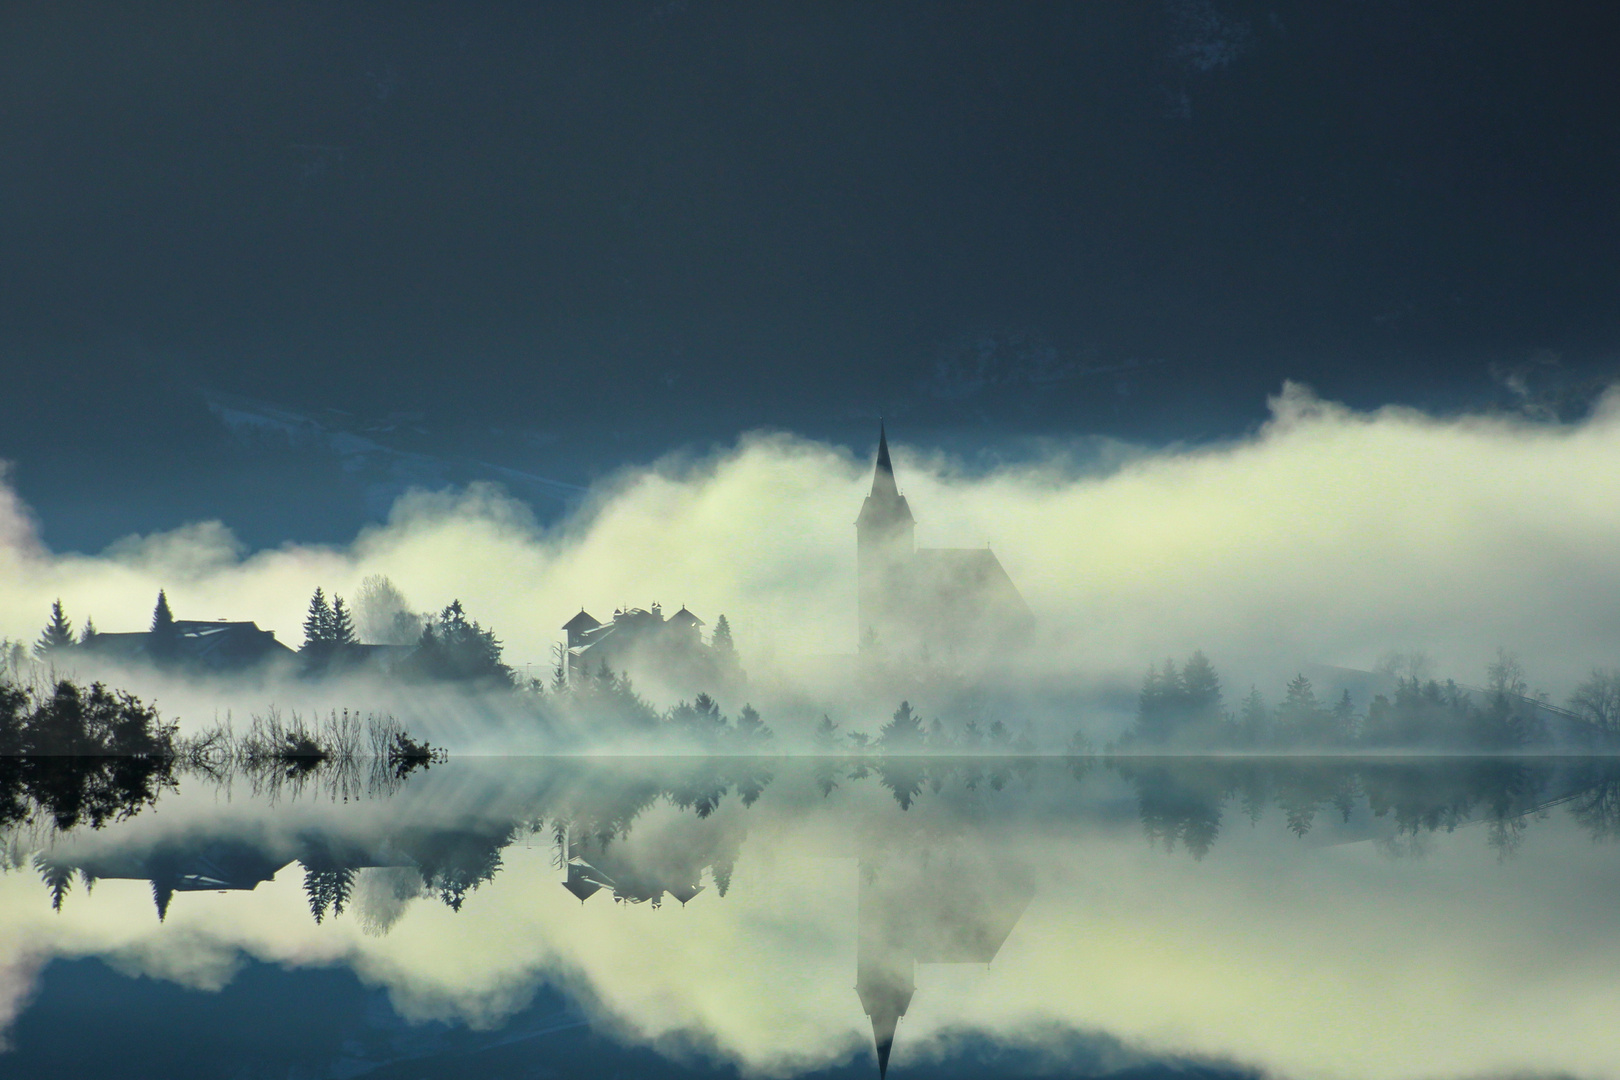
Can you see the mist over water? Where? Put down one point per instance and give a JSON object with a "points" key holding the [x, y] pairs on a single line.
{"points": [[809, 858], [1308, 918]]}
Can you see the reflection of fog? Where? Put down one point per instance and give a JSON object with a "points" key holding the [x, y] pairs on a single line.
{"points": [[1013, 900]]}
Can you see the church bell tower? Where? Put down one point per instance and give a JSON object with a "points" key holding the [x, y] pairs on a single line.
{"points": [[885, 540]]}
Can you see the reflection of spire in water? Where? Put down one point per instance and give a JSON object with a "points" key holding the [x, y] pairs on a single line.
{"points": [[926, 908], [885, 994]]}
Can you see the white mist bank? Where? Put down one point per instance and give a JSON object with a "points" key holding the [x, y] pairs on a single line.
{"points": [[1329, 535]]}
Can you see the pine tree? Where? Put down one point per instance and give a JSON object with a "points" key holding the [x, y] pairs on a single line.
{"points": [[88, 632], [750, 727], [342, 623], [163, 639], [57, 635], [318, 623], [1200, 686], [721, 641], [826, 732], [904, 731], [162, 617], [1344, 718], [1254, 724], [559, 671]]}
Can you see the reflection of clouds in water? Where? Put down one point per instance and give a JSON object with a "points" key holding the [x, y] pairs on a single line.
{"points": [[1297, 958]]}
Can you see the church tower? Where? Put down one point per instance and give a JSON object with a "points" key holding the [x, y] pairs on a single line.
{"points": [[885, 542]]}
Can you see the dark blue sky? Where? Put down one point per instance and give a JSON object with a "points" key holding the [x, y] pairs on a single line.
{"points": [[555, 238]]}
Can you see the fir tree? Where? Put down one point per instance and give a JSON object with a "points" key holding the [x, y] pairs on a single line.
{"points": [[318, 623], [57, 635], [559, 671], [342, 623], [826, 733], [721, 640], [162, 617], [163, 640], [904, 731], [750, 727], [1254, 724], [88, 632], [1200, 686]]}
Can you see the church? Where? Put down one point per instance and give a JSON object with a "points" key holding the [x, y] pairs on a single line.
{"points": [[951, 604]]}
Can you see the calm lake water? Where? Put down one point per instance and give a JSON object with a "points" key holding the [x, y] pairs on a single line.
{"points": [[775, 917]]}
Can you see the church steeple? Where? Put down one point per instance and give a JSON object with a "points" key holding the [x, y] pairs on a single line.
{"points": [[883, 484], [885, 508], [885, 538]]}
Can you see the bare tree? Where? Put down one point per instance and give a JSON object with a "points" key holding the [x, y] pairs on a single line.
{"points": [[1597, 700], [382, 616]]}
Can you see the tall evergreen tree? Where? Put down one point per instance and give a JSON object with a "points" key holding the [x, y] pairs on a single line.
{"points": [[1200, 686], [826, 733], [342, 623], [318, 623], [904, 731], [721, 641], [1254, 724], [162, 617], [163, 640], [88, 632], [57, 635]]}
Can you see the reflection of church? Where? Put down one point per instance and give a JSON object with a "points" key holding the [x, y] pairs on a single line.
{"points": [[922, 906], [940, 603], [927, 907]]}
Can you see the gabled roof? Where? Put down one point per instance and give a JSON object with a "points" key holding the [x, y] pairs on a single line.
{"points": [[685, 617], [584, 880], [966, 584], [581, 622], [683, 893]]}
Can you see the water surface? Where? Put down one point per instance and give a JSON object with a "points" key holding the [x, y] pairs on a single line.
{"points": [[797, 917]]}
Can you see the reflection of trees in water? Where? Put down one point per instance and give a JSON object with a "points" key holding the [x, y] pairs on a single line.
{"points": [[72, 792], [1597, 804], [612, 836], [1183, 800]]}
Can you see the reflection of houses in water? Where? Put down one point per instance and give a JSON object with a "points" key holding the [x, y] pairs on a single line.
{"points": [[941, 602], [639, 640], [451, 862], [589, 867], [928, 907], [213, 866]]}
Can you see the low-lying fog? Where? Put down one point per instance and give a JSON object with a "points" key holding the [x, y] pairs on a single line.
{"points": [[1330, 537]]}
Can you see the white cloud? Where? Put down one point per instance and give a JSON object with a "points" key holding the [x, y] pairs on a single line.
{"points": [[1329, 535]]}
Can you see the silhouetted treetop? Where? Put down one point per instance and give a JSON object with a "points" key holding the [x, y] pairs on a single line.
{"points": [[57, 635]]}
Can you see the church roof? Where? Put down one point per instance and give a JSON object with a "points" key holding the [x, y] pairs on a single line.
{"points": [[883, 483], [885, 507], [967, 583]]}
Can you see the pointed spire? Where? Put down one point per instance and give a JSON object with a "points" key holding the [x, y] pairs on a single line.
{"points": [[883, 1038], [883, 473]]}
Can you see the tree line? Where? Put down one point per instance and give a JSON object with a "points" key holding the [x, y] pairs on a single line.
{"points": [[1183, 708]]}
